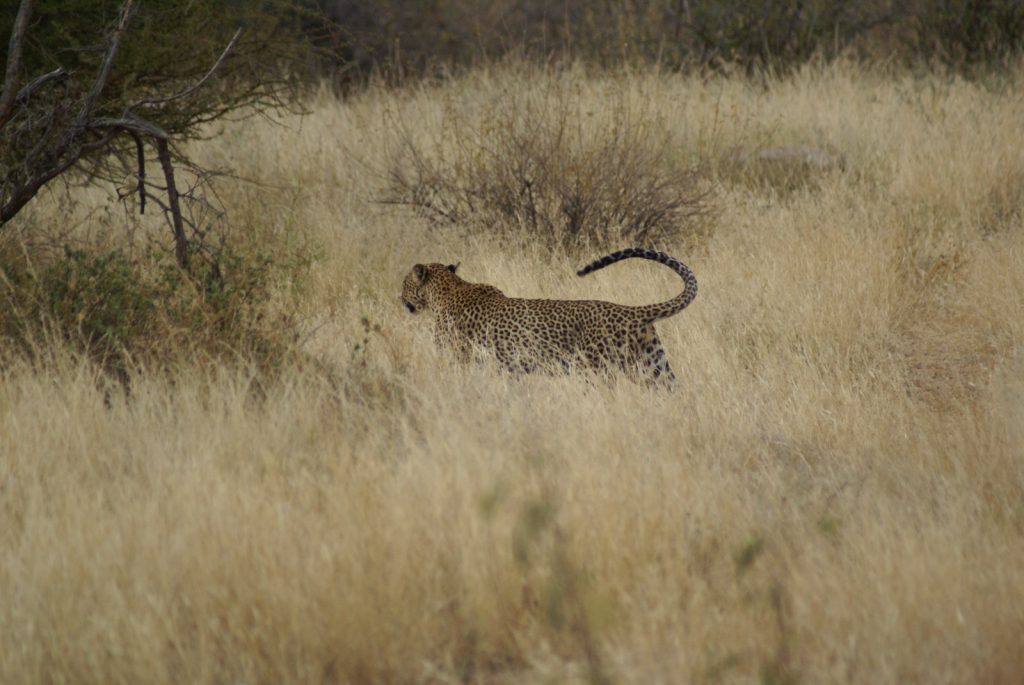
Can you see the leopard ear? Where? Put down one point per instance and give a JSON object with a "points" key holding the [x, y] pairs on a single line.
{"points": [[453, 267], [421, 272]]}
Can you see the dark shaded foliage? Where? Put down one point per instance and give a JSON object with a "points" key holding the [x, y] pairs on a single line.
{"points": [[400, 38]]}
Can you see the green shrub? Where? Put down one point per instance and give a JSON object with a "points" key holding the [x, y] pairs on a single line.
{"points": [[121, 310], [97, 301]]}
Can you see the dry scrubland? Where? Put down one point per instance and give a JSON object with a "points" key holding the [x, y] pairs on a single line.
{"points": [[834, 493]]}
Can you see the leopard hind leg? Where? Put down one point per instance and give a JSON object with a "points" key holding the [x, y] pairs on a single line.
{"points": [[656, 368]]}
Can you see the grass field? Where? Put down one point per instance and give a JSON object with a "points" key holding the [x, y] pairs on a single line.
{"points": [[834, 492]]}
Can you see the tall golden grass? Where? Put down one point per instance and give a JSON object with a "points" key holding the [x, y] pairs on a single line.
{"points": [[834, 493]]}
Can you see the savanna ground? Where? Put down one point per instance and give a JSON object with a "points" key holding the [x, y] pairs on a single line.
{"points": [[832, 494]]}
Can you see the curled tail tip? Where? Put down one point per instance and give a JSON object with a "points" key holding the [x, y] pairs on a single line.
{"points": [[590, 268]]}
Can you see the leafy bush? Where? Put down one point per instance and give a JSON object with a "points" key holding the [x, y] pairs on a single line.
{"points": [[122, 310], [98, 300], [528, 161]]}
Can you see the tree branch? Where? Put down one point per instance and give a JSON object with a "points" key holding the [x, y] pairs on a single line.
{"points": [[14, 48], [89, 104], [64, 155], [180, 242], [195, 86], [57, 128], [131, 123], [26, 92], [140, 158], [20, 197]]}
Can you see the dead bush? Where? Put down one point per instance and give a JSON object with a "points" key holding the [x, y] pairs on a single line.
{"points": [[537, 161]]}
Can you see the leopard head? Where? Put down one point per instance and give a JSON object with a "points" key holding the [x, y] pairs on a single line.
{"points": [[422, 281]]}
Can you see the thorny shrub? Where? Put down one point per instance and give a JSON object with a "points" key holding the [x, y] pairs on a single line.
{"points": [[536, 161]]}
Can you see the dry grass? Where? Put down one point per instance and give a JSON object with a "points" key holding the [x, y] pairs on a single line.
{"points": [[834, 494]]}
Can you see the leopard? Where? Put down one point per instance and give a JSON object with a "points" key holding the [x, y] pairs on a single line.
{"points": [[527, 335]]}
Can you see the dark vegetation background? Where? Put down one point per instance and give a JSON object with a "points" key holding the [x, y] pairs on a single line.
{"points": [[406, 37], [124, 305]]}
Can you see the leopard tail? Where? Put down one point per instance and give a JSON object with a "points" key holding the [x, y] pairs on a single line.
{"points": [[653, 312]]}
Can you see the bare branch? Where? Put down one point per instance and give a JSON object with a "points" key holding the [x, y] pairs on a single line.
{"points": [[180, 242], [26, 92], [101, 80], [195, 86], [7, 96], [24, 193], [140, 155], [130, 123]]}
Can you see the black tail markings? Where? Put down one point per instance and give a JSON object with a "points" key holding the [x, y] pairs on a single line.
{"points": [[653, 312]]}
